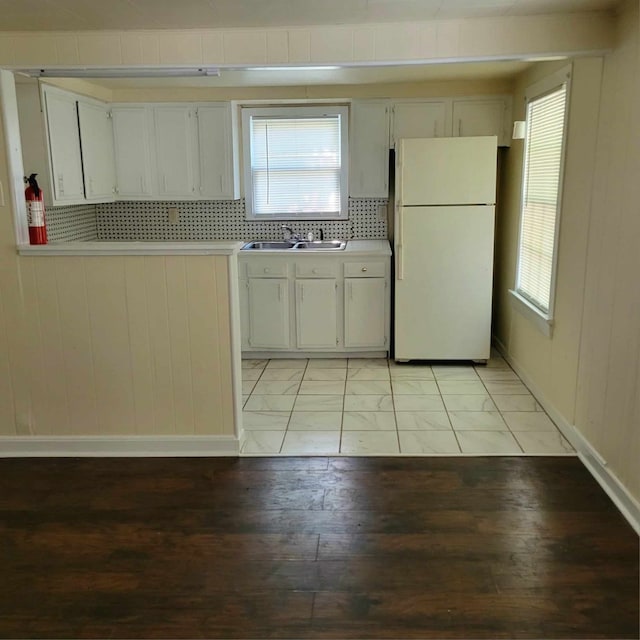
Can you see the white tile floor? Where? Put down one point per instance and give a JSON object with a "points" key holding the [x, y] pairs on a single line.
{"points": [[361, 406]]}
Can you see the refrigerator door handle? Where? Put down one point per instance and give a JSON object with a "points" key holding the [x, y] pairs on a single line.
{"points": [[400, 265]]}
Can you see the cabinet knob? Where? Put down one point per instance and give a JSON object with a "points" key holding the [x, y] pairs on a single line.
{"points": [[364, 268], [267, 270], [314, 271]]}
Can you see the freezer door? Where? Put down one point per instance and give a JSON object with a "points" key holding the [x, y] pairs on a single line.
{"points": [[444, 268], [446, 171]]}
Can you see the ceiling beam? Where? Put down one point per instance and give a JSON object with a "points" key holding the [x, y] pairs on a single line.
{"points": [[507, 38]]}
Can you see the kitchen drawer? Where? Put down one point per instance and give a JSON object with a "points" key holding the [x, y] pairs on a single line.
{"points": [[267, 269], [324, 269], [366, 269]]}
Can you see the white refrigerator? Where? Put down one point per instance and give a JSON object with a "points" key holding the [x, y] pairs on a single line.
{"points": [[443, 242]]}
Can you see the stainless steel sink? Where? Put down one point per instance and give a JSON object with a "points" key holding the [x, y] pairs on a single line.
{"points": [[321, 245], [268, 246], [315, 245]]}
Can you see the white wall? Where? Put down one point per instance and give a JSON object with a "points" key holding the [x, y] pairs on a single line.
{"points": [[587, 372], [551, 362], [608, 392]]}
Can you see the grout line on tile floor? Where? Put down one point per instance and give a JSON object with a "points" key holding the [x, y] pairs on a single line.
{"points": [[444, 404], [447, 411], [395, 416]]}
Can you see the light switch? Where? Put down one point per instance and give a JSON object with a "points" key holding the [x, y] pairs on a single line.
{"points": [[382, 212], [173, 215]]}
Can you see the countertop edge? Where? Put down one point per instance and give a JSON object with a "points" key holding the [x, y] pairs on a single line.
{"points": [[359, 248], [197, 248], [132, 249]]}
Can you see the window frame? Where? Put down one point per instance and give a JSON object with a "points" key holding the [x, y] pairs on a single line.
{"points": [[293, 112], [543, 320]]}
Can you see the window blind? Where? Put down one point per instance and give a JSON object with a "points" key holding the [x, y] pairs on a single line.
{"points": [[296, 165], [540, 201]]}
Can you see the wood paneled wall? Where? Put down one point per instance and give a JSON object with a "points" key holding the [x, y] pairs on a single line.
{"points": [[608, 394], [119, 345], [457, 38], [589, 370], [551, 363]]}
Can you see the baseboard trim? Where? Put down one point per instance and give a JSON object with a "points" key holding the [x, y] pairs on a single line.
{"points": [[117, 446], [628, 506]]}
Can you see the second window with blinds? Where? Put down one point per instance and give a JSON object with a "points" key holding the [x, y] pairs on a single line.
{"points": [[543, 166], [295, 162]]}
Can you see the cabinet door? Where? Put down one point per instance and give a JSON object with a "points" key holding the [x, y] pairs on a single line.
{"points": [[419, 120], [479, 118], [64, 148], [365, 312], [35, 157], [369, 149], [218, 175], [269, 313], [175, 151], [316, 314], [132, 151], [96, 135]]}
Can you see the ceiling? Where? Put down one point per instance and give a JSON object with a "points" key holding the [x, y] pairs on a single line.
{"points": [[76, 15]]}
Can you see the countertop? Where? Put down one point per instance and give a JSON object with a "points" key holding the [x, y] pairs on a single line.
{"points": [[354, 247], [185, 248], [106, 248]]}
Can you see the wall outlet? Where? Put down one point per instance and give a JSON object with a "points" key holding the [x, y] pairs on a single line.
{"points": [[382, 212], [174, 216]]}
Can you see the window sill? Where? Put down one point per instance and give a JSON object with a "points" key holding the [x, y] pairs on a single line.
{"points": [[542, 322]]}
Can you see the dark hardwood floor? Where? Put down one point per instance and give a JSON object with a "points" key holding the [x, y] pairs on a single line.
{"points": [[313, 548]]}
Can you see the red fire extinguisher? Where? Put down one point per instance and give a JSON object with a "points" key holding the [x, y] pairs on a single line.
{"points": [[35, 211]]}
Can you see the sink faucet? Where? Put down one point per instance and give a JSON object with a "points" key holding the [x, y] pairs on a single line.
{"points": [[289, 234]]}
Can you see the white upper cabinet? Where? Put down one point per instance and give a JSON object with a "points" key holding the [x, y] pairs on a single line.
{"points": [[96, 135], [132, 141], [419, 120], [34, 138], [176, 144], [64, 147], [369, 149], [78, 149], [482, 118], [218, 152]]}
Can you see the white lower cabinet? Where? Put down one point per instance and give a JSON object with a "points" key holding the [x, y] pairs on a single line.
{"points": [[316, 314], [268, 324], [325, 304], [364, 312]]}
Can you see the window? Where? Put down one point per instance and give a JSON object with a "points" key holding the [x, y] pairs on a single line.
{"points": [[295, 162], [541, 193]]}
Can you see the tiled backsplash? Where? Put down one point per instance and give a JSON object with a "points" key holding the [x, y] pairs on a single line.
{"points": [[72, 223], [225, 220]]}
